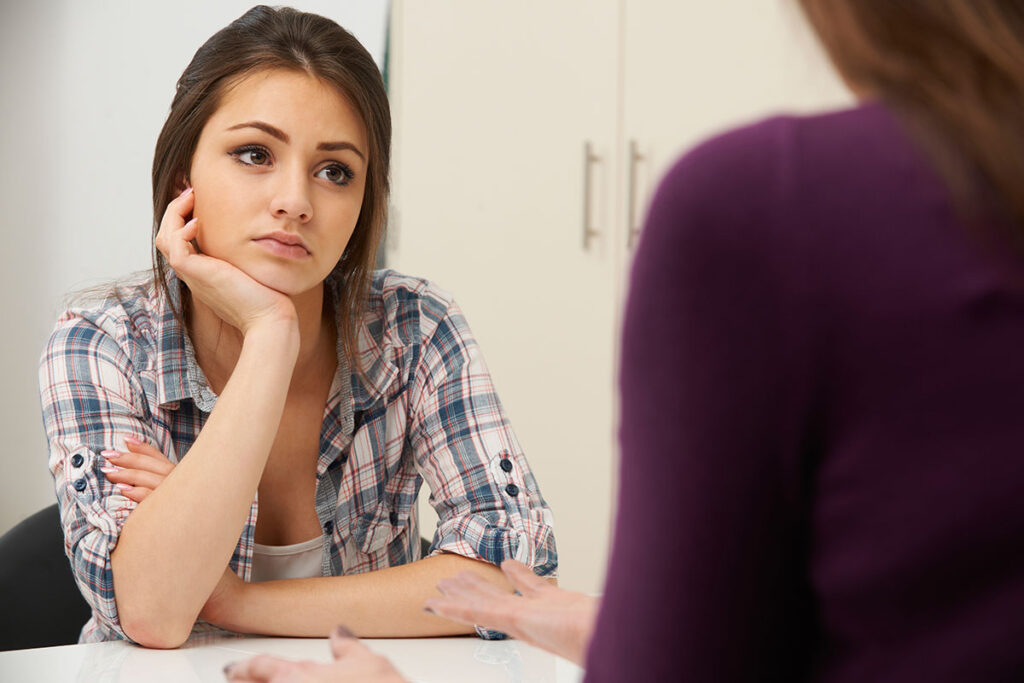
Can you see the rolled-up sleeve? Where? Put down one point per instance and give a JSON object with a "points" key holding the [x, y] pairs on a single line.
{"points": [[91, 399], [486, 497]]}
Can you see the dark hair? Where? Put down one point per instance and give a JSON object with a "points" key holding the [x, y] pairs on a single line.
{"points": [[954, 69], [276, 38]]}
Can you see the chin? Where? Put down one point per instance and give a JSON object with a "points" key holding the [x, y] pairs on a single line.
{"points": [[291, 280]]}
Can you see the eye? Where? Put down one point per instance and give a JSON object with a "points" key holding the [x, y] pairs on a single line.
{"points": [[251, 155], [337, 173]]}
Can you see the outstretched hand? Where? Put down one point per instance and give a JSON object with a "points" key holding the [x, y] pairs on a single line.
{"points": [[234, 296], [353, 663], [544, 615]]}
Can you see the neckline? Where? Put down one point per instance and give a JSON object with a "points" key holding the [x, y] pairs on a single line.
{"points": [[293, 549]]}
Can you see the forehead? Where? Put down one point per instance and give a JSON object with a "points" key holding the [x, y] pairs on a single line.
{"points": [[302, 105]]}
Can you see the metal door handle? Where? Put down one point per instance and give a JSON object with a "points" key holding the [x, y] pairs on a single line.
{"points": [[635, 157], [589, 159]]}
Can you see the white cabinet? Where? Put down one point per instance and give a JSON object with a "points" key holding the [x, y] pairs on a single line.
{"points": [[495, 105], [693, 69]]}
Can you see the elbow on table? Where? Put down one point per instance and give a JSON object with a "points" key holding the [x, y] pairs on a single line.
{"points": [[154, 630], [149, 614]]}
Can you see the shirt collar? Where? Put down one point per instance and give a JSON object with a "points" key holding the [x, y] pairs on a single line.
{"points": [[178, 374], [374, 356]]}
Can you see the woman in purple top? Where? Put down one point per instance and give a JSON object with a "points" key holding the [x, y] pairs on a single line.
{"points": [[823, 383]]}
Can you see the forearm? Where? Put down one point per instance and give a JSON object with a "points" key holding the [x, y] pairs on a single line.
{"points": [[175, 545], [383, 604]]}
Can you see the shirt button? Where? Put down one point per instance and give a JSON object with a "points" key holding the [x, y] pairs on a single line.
{"points": [[77, 460], [393, 518], [506, 464], [512, 490], [328, 526], [79, 485]]}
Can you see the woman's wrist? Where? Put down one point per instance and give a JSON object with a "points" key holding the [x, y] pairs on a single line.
{"points": [[226, 602], [277, 336]]}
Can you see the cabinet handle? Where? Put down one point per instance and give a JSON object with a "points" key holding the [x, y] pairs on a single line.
{"points": [[635, 157], [589, 159]]}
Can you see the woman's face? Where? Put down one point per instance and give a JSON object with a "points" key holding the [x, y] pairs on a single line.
{"points": [[279, 173]]}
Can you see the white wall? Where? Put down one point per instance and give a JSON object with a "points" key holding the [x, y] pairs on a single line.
{"points": [[86, 87]]}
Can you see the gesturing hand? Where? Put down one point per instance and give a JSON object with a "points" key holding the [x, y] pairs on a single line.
{"points": [[353, 663], [235, 297], [553, 619]]}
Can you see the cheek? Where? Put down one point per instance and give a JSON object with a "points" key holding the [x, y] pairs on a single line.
{"points": [[220, 208], [346, 219], [212, 215]]}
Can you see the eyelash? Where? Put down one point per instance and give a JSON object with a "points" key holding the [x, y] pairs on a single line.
{"points": [[346, 173]]}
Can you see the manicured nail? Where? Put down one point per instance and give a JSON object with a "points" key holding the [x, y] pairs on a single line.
{"points": [[187, 191], [110, 455], [190, 223], [133, 440], [123, 487], [107, 469], [342, 631]]}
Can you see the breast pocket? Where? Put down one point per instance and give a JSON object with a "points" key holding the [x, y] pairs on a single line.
{"points": [[379, 528]]}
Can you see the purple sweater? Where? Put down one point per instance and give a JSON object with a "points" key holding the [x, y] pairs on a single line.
{"points": [[822, 422]]}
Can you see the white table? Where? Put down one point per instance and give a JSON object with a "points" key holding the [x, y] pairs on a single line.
{"points": [[447, 660]]}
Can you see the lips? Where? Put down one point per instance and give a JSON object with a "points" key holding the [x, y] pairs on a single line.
{"points": [[284, 244]]}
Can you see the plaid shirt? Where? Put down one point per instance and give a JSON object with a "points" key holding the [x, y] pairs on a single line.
{"points": [[425, 410]]}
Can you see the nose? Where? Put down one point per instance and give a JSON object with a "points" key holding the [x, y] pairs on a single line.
{"points": [[291, 199]]}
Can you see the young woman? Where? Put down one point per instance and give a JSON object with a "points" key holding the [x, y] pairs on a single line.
{"points": [[239, 441]]}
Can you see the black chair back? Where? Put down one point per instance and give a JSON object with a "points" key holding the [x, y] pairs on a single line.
{"points": [[41, 603]]}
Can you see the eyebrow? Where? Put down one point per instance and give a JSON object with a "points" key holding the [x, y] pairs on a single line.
{"points": [[283, 137]]}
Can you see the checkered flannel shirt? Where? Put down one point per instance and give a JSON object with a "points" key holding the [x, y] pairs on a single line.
{"points": [[425, 410]]}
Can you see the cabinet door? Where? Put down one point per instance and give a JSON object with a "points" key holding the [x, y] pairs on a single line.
{"points": [[693, 69], [493, 105]]}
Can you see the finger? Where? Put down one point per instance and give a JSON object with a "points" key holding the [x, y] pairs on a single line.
{"points": [[345, 644], [136, 493], [132, 477], [146, 455], [259, 668], [178, 247], [482, 613], [138, 461], [522, 578], [182, 205], [174, 217], [139, 446], [189, 230]]}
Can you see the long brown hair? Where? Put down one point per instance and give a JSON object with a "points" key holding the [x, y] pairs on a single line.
{"points": [[954, 69], [274, 38]]}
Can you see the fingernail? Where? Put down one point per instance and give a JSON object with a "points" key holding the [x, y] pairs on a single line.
{"points": [[186, 192], [110, 455], [342, 631], [228, 667], [191, 223], [106, 469], [132, 439], [123, 487]]}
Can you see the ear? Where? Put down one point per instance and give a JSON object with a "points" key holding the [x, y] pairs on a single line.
{"points": [[182, 183]]}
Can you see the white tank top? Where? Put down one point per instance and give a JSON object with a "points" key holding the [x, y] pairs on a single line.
{"points": [[296, 561]]}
